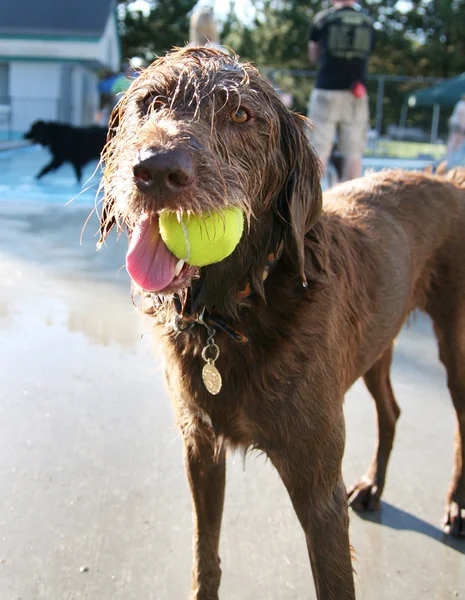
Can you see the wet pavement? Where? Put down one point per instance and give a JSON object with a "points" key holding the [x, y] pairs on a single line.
{"points": [[93, 499]]}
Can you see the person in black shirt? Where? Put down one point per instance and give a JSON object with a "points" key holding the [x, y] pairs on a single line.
{"points": [[340, 41]]}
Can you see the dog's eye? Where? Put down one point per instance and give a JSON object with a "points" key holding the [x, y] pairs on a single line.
{"points": [[150, 103], [240, 115], [154, 103]]}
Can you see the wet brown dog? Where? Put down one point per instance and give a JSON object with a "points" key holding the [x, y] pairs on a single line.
{"points": [[308, 302]]}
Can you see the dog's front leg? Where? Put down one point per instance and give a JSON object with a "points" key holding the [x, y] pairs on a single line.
{"points": [[78, 171], [311, 472], [206, 472], [51, 166]]}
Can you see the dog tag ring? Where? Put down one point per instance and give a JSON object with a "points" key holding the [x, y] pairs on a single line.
{"points": [[210, 374]]}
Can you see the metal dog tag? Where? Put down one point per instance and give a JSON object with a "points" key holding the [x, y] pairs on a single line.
{"points": [[211, 377], [210, 374]]}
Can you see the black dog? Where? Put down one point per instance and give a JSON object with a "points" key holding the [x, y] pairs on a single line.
{"points": [[75, 145]]}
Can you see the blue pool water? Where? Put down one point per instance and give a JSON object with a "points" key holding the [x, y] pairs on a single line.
{"points": [[19, 167]]}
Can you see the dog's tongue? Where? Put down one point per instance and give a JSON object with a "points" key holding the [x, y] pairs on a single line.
{"points": [[149, 262]]}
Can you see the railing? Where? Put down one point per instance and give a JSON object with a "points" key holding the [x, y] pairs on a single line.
{"points": [[6, 129], [391, 119]]}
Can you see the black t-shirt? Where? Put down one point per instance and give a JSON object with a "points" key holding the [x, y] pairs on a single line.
{"points": [[345, 37]]}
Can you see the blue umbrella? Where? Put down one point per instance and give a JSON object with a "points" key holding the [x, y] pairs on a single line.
{"points": [[122, 82], [104, 86]]}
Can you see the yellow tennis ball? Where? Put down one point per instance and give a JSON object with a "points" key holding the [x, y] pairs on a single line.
{"points": [[202, 239]]}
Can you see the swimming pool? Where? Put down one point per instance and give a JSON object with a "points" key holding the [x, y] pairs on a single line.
{"points": [[377, 163], [19, 167]]}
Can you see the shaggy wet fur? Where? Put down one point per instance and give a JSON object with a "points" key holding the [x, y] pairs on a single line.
{"points": [[327, 314]]}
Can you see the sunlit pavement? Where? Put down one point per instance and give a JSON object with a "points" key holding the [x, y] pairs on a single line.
{"points": [[93, 499]]}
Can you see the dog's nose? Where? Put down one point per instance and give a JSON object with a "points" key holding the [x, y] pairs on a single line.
{"points": [[168, 172]]}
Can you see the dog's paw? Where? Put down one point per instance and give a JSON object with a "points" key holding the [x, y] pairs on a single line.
{"points": [[364, 495], [200, 594], [454, 519]]}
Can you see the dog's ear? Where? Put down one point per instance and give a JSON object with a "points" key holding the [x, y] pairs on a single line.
{"points": [[107, 214], [300, 200]]}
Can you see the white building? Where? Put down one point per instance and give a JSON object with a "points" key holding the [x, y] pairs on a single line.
{"points": [[50, 53]]}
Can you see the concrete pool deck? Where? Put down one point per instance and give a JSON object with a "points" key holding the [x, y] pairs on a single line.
{"points": [[93, 499]]}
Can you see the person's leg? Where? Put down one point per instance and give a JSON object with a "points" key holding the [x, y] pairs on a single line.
{"points": [[352, 168], [454, 141], [456, 150], [321, 112], [352, 138]]}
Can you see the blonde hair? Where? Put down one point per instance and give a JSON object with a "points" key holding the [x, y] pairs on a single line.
{"points": [[203, 28]]}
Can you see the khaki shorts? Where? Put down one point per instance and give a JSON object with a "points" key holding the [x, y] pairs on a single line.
{"points": [[338, 112]]}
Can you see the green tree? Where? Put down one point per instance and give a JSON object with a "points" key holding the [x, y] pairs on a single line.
{"points": [[438, 26], [151, 33], [277, 36], [426, 41]]}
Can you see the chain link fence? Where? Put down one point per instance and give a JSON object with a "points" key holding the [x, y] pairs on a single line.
{"points": [[394, 127]]}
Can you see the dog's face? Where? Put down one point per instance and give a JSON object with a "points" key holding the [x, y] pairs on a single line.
{"points": [[38, 133], [198, 131]]}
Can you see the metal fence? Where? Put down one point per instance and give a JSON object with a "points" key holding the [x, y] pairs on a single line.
{"points": [[391, 118]]}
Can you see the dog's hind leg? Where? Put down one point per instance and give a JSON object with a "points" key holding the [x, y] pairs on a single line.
{"points": [[449, 326], [365, 493], [51, 166], [206, 472]]}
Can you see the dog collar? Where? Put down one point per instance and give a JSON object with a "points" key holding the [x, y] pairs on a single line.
{"points": [[185, 322], [213, 322]]}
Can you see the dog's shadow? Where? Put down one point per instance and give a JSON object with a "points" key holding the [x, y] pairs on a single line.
{"points": [[396, 518]]}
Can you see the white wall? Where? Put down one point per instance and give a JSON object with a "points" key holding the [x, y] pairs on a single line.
{"points": [[109, 46], [34, 92], [85, 96], [92, 98], [77, 82]]}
